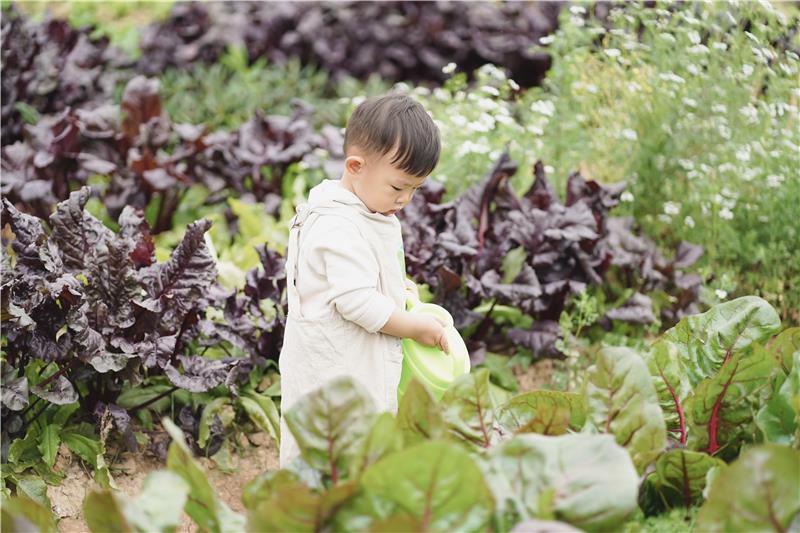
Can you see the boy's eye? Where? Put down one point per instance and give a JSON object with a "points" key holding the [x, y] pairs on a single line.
{"points": [[395, 188]]}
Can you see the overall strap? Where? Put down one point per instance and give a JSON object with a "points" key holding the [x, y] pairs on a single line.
{"points": [[305, 217]]}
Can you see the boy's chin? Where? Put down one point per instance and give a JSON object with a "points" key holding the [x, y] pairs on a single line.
{"points": [[389, 213]]}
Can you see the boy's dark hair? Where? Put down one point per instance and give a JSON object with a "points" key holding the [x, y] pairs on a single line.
{"points": [[382, 123]]}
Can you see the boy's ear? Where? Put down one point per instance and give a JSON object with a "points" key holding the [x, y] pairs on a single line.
{"points": [[354, 164]]}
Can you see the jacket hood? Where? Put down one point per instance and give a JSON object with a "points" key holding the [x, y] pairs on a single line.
{"points": [[330, 193]]}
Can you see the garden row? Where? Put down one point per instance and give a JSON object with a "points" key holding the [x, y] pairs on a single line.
{"points": [[707, 416]]}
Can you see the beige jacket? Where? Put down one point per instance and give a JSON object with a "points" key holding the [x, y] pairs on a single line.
{"points": [[345, 276]]}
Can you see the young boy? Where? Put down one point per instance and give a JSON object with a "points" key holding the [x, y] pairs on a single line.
{"points": [[345, 265]]}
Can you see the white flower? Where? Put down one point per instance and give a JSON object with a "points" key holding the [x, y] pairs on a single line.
{"points": [[774, 180], [719, 108], [626, 196], [488, 89], [634, 87], [693, 70], [763, 219], [698, 49], [591, 88], [577, 10], [468, 147], [671, 76], [747, 70], [689, 221], [750, 113], [505, 119], [549, 169], [449, 68], [545, 107], [629, 134], [458, 120], [724, 131], [514, 85], [686, 164], [536, 130], [486, 104], [668, 37], [721, 294], [725, 214], [666, 219], [672, 208], [612, 52], [743, 154], [440, 94], [720, 46], [547, 39], [492, 71], [694, 37], [689, 102]]}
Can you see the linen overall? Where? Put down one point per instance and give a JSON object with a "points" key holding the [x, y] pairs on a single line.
{"points": [[316, 350]]}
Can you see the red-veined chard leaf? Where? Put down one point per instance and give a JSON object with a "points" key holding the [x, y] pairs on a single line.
{"points": [[543, 411], [621, 400], [758, 492]]}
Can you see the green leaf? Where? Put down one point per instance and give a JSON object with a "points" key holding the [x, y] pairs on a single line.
{"points": [[160, 504], [779, 419], [758, 492], [203, 505], [436, 483], [720, 412], [672, 385], [586, 480], [270, 412], [705, 341], [48, 443], [329, 422], [23, 514], [136, 396], [265, 485], [207, 418], [543, 411], [467, 408], [500, 371], [103, 513], [621, 400], [223, 458], [785, 346], [64, 412], [293, 506], [680, 478], [34, 488], [25, 449], [384, 438], [419, 416], [91, 450]]}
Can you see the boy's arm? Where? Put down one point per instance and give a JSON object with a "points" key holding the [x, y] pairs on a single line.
{"points": [[401, 324], [352, 273]]}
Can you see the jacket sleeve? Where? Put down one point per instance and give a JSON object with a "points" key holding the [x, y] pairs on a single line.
{"points": [[352, 273]]}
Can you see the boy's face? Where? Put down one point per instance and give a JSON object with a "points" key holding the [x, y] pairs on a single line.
{"points": [[382, 187]]}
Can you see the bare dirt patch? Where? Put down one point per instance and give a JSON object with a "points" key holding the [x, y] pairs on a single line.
{"points": [[130, 469]]}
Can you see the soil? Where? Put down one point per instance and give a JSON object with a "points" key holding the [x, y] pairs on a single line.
{"points": [[534, 377], [260, 455], [129, 471]]}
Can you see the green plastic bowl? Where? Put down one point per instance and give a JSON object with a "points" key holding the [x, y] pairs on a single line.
{"points": [[430, 365]]}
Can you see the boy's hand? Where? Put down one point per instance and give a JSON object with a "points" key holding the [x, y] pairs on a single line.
{"points": [[430, 331]]}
